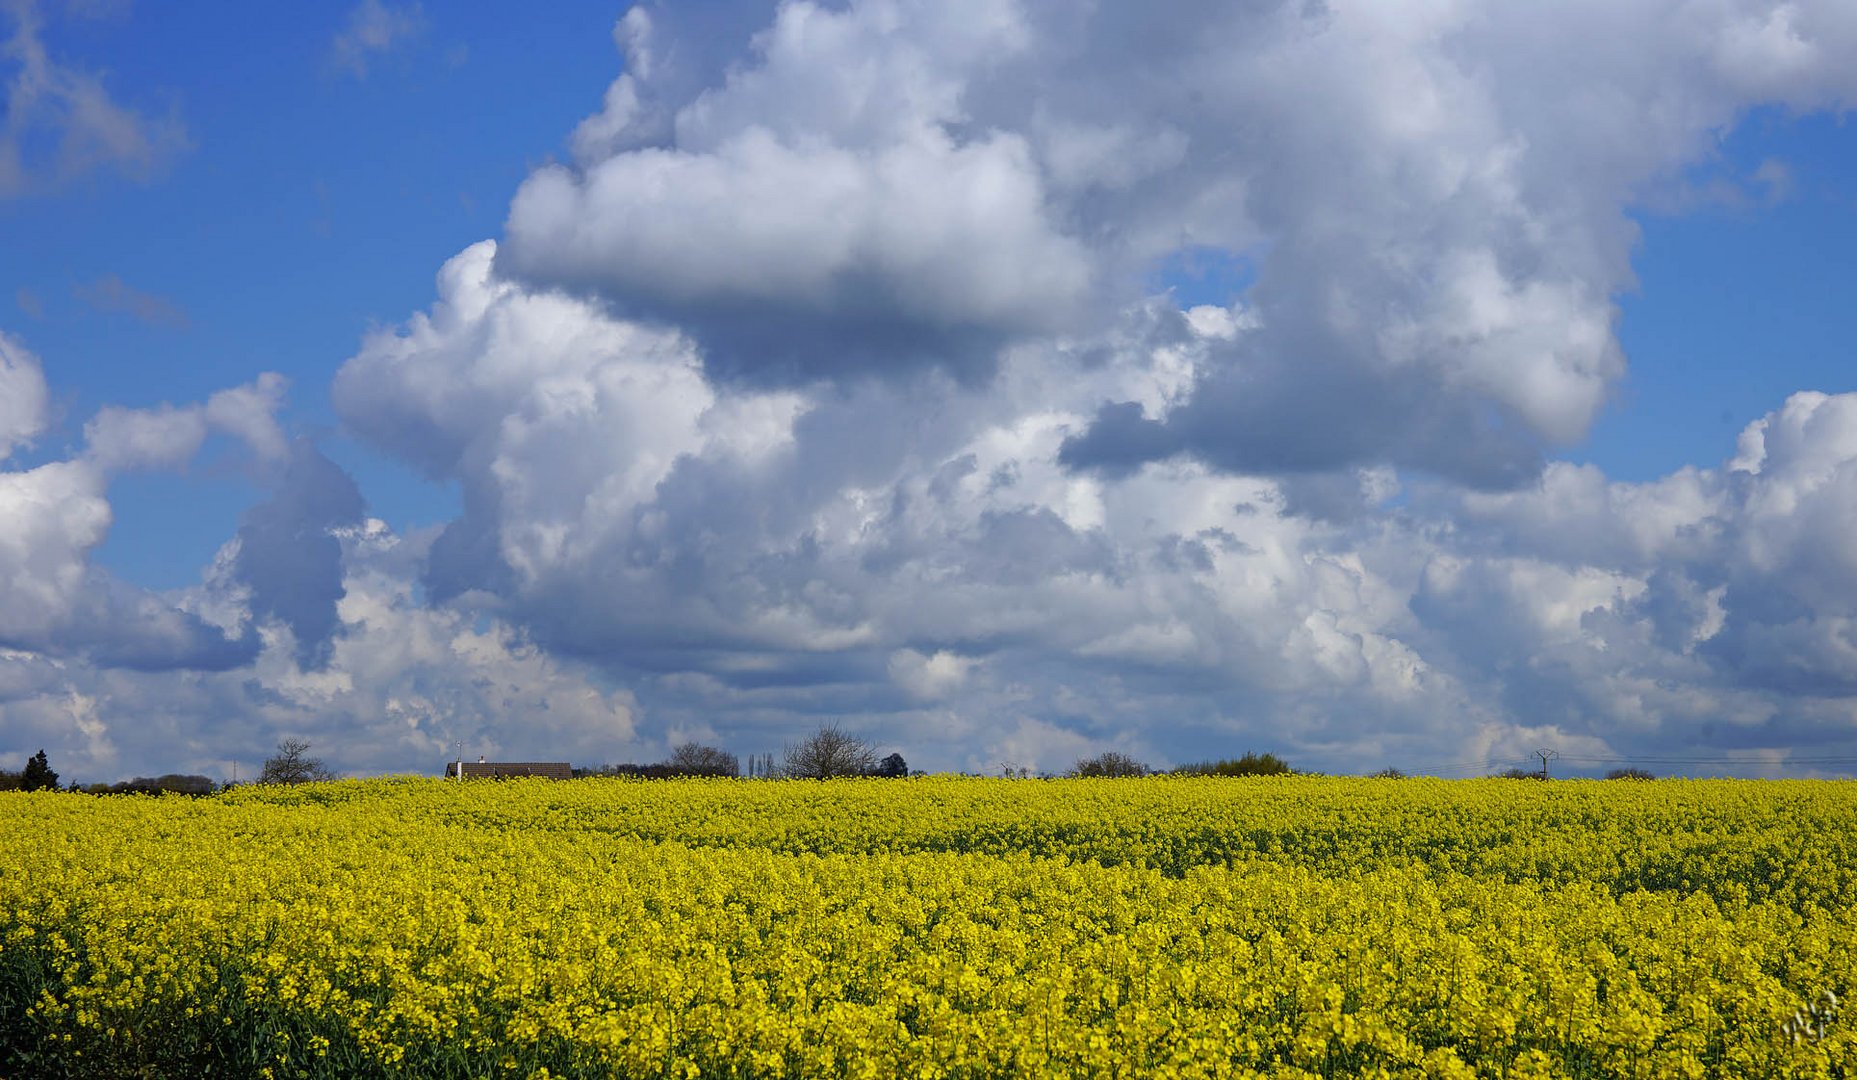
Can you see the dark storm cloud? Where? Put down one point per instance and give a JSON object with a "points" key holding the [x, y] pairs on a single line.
{"points": [[289, 556]]}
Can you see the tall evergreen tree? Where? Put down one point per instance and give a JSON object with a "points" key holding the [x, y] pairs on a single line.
{"points": [[38, 775]]}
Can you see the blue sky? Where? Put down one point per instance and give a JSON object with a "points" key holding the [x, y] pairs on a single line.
{"points": [[338, 195], [925, 369], [1739, 303]]}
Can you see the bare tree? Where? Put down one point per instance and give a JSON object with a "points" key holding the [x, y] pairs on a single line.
{"points": [[696, 760], [1109, 764], [830, 752], [292, 765]]}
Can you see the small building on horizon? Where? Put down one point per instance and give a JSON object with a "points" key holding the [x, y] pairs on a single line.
{"points": [[503, 770]]}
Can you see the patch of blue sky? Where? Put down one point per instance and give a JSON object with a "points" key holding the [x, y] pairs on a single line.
{"points": [[309, 206], [1198, 275], [166, 526], [1745, 288]]}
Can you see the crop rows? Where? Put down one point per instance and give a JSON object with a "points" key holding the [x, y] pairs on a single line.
{"points": [[936, 927]]}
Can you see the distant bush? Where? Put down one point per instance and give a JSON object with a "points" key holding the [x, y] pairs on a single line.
{"points": [[1629, 774], [662, 770], [693, 759], [1109, 764], [1388, 773], [1518, 774], [179, 783], [1248, 765]]}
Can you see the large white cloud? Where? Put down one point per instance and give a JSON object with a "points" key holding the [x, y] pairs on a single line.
{"points": [[53, 515], [1078, 519], [917, 558], [913, 556], [817, 213], [404, 688], [1433, 197]]}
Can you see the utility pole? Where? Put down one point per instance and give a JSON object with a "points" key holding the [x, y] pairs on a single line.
{"points": [[1546, 756]]}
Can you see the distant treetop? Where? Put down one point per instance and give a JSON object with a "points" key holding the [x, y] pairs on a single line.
{"points": [[293, 765], [693, 759], [1250, 764], [1112, 763], [828, 753], [38, 774]]}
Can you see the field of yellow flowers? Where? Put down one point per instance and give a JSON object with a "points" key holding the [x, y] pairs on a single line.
{"points": [[933, 927]]}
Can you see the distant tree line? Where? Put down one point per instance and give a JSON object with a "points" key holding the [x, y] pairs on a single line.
{"points": [[689, 759], [1630, 774], [1251, 764], [291, 765], [38, 775], [179, 783], [1536, 774], [828, 753], [1116, 763]]}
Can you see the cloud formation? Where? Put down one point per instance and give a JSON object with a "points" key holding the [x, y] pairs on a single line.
{"points": [[53, 515], [22, 395], [817, 196], [402, 689], [61, 123], [837, 377], [109, 294], [288, 557], [373, 29], [771, 428], [919, 559], [306, 623], [1438, 224]]}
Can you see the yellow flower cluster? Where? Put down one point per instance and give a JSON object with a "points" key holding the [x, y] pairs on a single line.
{"points": [[934, 927]]}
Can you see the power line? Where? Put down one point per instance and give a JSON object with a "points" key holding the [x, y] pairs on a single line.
{"points": [[1598, 759], [1460, 766], [1790, 763]]}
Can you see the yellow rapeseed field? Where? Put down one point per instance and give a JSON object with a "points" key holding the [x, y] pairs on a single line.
{"points": [[933, 927]]}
